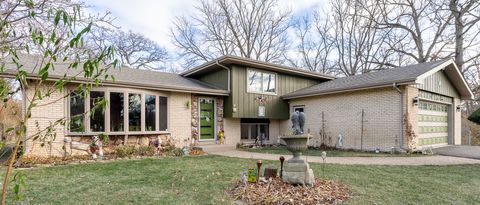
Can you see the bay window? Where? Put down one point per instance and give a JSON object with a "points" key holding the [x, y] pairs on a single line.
{"points": [[134, 112], [117, 112], [97, 112], [141, 112], [77, 110], [150, 112], [261, 82], [163, 113]]}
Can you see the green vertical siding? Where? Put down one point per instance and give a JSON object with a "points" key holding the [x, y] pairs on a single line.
{"points": [[217, 77], [438, 83], [247, 107]]}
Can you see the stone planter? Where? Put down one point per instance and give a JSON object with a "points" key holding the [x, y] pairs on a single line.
{"points": [[296, 170]]}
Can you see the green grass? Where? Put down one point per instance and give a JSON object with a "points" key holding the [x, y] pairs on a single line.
{"points": [[204, 180], [330, 153]]}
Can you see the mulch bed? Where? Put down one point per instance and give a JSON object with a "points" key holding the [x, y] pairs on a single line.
{"points": [[278, 192]]}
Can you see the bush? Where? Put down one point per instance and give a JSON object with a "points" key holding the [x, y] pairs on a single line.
{"points": [[475, 116], [146, 151], [172, 151], [124, 151], [178, 152]]}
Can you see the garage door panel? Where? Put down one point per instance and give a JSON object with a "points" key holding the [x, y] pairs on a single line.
{"points": [[433, 123]]}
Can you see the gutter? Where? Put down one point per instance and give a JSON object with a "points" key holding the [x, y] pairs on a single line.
{"points": [[134, 85], [312, 94], [402, 127], [228, 70]]}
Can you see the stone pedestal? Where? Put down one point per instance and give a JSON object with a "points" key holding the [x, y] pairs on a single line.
{"points": [[298, 173]]}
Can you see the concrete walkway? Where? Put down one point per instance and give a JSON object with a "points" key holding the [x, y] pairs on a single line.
{"points": [[424, 160], [472, 152]]}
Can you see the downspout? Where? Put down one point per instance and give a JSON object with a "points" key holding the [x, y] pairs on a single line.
{"points": [[402, 127], [24, 110], [228, 70]]}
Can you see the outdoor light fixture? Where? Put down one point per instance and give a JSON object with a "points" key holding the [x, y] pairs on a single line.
{"points": [[234, 108], [259, 164], [415, 101], [281, 165], [459, 108]]}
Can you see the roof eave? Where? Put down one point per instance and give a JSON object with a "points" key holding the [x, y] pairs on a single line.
{"points": [[259, 64], [132, 85], [313, 94]]}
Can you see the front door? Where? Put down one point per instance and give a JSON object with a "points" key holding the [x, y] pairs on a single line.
{"points": [[207, 119]]}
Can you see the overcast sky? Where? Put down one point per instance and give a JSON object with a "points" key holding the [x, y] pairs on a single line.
{"points": [[153, 18]]}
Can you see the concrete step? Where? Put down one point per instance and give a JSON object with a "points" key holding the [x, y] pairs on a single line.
{"points": [[212, 148]]}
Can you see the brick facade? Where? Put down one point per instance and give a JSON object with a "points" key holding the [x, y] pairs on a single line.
{"points": [[342, 114]]}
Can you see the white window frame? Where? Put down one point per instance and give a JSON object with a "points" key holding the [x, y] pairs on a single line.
{"points": [[298, 106], [261, 92], [126, 92]]}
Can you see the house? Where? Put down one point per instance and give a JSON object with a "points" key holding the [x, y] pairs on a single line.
{"points": [[408, 108]]}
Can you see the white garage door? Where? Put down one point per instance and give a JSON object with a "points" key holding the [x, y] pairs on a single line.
{"points": [[433, 123]]}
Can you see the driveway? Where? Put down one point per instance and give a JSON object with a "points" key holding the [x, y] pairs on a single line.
{"points": [[472, 152]]}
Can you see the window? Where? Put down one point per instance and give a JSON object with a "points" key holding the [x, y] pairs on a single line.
{"points": [[299, 108], [261, 82], [134, 112], [141, 112], [117, 112], [97, 111], [77, 110], [268, 83], [253, 129], [150, 112], [162, 113]]}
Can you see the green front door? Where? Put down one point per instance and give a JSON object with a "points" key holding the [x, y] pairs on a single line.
{"points": [[207, 119]]}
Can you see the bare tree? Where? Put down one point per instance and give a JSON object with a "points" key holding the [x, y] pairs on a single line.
{"points": [[466, 15], [420, 28], [314, 46], [132, 49], [137, 51], [248, 28], [359, 44]]}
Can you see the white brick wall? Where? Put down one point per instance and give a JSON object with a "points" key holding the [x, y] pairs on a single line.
{"points": [[180, 118], [232, 130], [343, 115], [47, 111]]}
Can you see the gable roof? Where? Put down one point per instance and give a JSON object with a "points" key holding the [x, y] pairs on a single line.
{"points": [[411, 74], [235, 60], [124, 77]]}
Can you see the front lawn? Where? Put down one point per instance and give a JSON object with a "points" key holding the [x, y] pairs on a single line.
{"points": [[330, 153], [204, 179]]}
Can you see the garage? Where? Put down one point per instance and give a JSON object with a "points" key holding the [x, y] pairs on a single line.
{"points": [[433, 123]]}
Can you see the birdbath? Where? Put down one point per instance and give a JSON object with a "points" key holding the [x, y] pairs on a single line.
{"points": [[296, 144], [297, 170]]}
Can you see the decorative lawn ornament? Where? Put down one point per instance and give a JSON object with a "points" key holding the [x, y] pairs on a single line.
{"points": [[221, 136], [252, 175], [243, 177], [96, 148], [324, 157], [339, 141], [297, 170]]}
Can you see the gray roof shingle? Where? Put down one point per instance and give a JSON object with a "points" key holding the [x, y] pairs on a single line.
{"points": [[124, 76], [380, 78]]}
